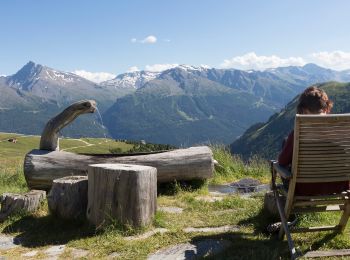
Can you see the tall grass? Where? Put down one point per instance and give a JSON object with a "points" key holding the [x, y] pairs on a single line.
{"points": [[233, 167], [11, 176]]}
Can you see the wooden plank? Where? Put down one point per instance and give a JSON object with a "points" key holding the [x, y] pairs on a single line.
{"points": [[314, 229], [323, 118], [330, 152], [324, 157], [314, 168], [324, 168], [327, 253], [325, 132], [318, 143], [332, 196], [323, 162], [330, 208], [322, 176], [313, 138], [324, 127], [324, 179], [335, 148], [289, 201], [319, 171], [320, 202]]}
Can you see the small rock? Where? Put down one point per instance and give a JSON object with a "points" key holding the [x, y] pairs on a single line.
{"points": [[30, 253], [113, 255], [171, 209], [211, 229], [194, 250], [78, 253], [8, 242], [55, 250], [147, 234], [209, 198]]}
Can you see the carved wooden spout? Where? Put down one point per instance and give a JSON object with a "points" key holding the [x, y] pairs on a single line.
{"points": [[49, 137]]}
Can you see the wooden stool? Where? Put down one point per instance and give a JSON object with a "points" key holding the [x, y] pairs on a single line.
{"points": [[122, 192]]}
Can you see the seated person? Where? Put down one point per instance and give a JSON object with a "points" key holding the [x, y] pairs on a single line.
{"points": [[312, 101]]}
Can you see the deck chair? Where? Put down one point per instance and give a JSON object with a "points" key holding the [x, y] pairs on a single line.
{"points": [[321, 153]]}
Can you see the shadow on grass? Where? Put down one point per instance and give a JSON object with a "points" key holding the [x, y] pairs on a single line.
{"points": [[48, 230], [240, 246], [263, 218], [260, 221], [172, 188]]}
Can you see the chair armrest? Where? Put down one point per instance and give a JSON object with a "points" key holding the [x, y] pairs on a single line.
{"points": [[283, 172]]}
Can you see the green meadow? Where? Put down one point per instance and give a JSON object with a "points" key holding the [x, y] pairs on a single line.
{"points": [[39, 230]]}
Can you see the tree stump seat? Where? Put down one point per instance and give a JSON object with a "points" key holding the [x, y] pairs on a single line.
{"points": [[67, 198], [123, 193]]}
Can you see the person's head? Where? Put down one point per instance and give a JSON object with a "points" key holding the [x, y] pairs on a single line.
{"points": [[314, 101]]}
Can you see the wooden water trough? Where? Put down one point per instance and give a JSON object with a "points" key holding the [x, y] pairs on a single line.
{"points": [[42, 166]]}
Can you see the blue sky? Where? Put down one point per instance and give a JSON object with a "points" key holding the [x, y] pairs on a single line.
{"points": [[117, 36]]}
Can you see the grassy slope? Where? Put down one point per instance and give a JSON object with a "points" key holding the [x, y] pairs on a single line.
{"points": [[40, 230], [12, 155]]}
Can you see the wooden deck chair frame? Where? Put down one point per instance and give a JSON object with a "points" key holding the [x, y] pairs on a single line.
{"points": [[321, 153]]}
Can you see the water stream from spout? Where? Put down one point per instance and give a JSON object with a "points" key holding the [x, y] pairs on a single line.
{"points": [[103, 126]]}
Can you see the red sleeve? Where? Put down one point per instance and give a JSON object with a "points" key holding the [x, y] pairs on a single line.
{"points": [[286, 155]]}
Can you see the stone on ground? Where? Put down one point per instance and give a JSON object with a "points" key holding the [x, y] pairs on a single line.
{"points": [[194, 250], [8, 242], [78, 253], [31, 253], [147, 234], [211, 229], [113, 255], [209, 198], [170, 209], [55, 251]]}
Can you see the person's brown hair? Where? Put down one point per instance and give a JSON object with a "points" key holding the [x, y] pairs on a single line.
{"points": [[314, 100]]}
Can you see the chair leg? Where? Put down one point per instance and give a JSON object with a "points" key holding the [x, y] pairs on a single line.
{"points": [[344, 217], [284, 228]]}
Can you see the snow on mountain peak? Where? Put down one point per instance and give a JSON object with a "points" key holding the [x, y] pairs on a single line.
{"points": [[193, 68], [134, 79]]}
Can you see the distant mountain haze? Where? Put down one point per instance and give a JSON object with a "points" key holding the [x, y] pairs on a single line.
{"points": [[184, 105]]}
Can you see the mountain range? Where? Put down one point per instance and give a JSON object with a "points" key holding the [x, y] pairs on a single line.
{"points": [[184, 105]]}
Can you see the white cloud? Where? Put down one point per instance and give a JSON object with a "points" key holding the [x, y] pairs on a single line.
{"points": [[149, 39], [253, 61], [133, 69], [160, 67], [94, 76], [338, 60]]}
